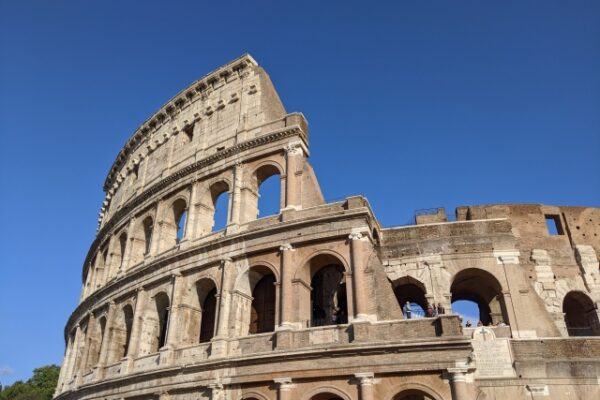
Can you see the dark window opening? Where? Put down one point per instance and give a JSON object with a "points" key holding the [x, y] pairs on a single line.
{"points": [[209, 308], [554, 226], [189, 132], [128, 317], [148, 227], [262, 317], [181, 226], [328, 297]]}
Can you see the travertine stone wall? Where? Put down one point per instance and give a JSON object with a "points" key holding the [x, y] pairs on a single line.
{"points": [[305, 304]]}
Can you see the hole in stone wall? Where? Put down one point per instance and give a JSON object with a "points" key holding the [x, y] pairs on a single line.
{"points": [[221, 206], [553, 224], [268, 201]]}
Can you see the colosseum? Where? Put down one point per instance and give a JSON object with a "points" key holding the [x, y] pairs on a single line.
{"points": [[318, 301]]}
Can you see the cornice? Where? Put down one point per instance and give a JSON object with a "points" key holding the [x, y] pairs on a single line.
{"points": [[170, 108], [293, 130], [222, 242]]}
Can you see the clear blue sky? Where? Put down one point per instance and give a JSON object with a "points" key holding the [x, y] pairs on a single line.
{"points": [[415, 105]]}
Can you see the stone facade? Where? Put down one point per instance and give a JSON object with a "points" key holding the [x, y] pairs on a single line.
{"points": [[307, 303]]}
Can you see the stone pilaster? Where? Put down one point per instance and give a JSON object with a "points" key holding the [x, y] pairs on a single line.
{"points": [[219, 342], [174, 322], [217, 391], [458, 382], [136, 328], [293, 173], [286, 295], [365, 385], [359, 243], [285, 388], [106, 340]]}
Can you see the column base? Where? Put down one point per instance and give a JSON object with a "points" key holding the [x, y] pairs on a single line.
{"points": [[218, 348]]}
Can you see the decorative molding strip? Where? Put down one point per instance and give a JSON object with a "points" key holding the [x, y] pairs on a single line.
{"points": [[293, 130], [167, 111]]}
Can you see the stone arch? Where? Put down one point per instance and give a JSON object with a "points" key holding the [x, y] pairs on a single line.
{"points": [[192, 315], [173, 222], [120, 334], [304, 272], [404, 391], [217, 189], [322, 291], [206, 295], [156, 321], [142, 239], [326, 393], [95, 341], [481, 287], [254, 299], [264, 171], [253, 396], [580, 314], [411, 290]]}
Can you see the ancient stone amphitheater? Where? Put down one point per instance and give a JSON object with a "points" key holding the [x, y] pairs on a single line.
{"points": [[311, 303]]}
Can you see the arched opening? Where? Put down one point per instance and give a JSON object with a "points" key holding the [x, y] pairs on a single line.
{"points": [[581, 316], [180, 218], [128, 325], [209, 312], [326, 396], [468, 311], [162, 314], [268, 189], [96, 340], [120, 335], [481, 288], [262, 314], [328, 298], [410, 294], [148, 226], [412, 394], [220, 202]]}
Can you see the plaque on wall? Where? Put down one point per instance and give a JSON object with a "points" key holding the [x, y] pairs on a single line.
{"points": [[493, 357]]}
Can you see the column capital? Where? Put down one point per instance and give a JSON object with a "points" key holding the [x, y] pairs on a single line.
{"points": [[285, 247], [294, 149], [365, 378], [225, 260], [458, 374], [284, 383], [361, 233]]}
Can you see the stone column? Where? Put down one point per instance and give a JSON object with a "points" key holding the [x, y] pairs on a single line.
{"points": [[193, 210], [458, 382], [136, 328], [365, 381], [128, 247], [217, 392], [65, 371], [173, 324], [219, 341], [106, 340], [157, 234], [286, 294], [285, 388], [236, 196], [358, 248], [293, 195]]}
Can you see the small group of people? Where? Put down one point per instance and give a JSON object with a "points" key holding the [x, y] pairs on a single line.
{"points": [[479, 323], [431, 311]]}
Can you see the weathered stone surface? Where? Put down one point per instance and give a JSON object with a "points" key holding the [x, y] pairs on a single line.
{"points": [[310, 301]]}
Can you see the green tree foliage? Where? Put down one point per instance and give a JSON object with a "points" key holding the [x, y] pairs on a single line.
{"points": [[39, 387]]}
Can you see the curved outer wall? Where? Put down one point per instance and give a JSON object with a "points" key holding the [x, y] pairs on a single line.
{"points": [[306, 304]]}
